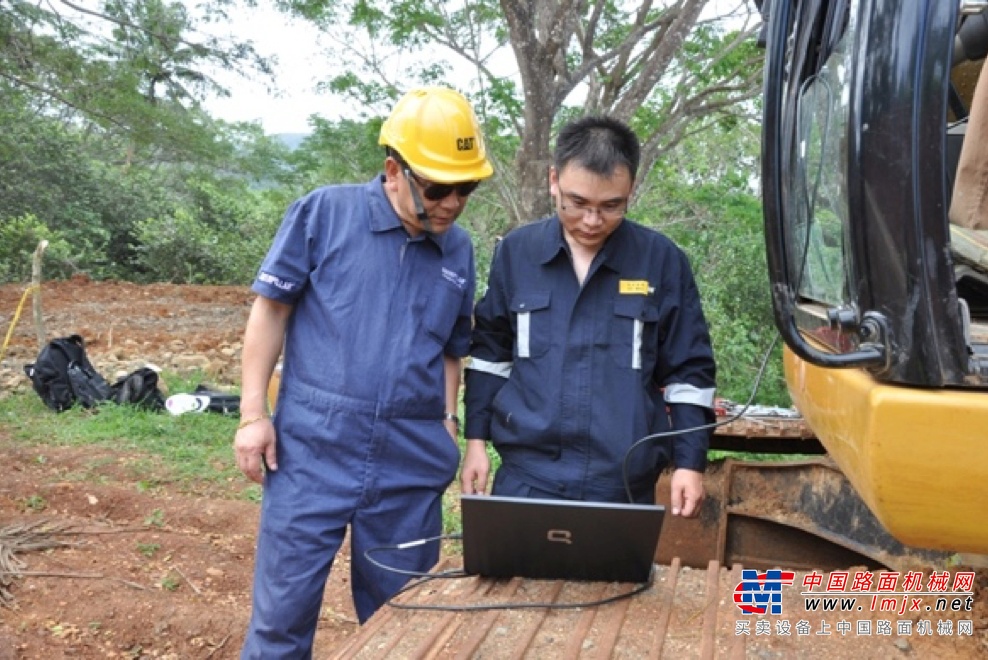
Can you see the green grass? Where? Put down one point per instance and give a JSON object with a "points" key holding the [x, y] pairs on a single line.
{"points": [[192, 451]]}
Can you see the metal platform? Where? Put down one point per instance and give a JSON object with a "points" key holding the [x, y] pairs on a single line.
{"points": [[684, 613]]}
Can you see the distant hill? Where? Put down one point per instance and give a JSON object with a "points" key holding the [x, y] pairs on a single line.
{"points": [[290, 140]]}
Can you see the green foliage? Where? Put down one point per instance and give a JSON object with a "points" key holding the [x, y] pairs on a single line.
{"points": [[336, 152], [727, 250], [19, 237], [178, 248], [169, 583], [221, 244], [148, 549], [130, 221], [102, 131], [155, 519], [45, 173], [34, 503]]}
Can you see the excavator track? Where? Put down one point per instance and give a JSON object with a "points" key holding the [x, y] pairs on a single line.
{"points": [[686, 613], [799, 516], [800, 513], [643, 626]]}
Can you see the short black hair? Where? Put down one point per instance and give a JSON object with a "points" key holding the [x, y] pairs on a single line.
{"points": [[599, 144]]}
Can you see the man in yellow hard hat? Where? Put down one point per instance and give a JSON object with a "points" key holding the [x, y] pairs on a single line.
{"points": [[369, 288]]}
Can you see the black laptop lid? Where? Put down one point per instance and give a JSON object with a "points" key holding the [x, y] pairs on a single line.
{"points": [[559, 539]]}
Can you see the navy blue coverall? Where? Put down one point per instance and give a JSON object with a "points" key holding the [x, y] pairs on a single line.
{"points": [[564, 378], [359, 422]]}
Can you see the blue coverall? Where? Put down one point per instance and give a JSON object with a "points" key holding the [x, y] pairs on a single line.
{"points": [[563, 378], [359, 422]]}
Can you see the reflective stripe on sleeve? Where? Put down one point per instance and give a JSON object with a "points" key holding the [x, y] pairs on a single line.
{"points": [[685, 393], [502, 369], [524, 321], [636, 345]]}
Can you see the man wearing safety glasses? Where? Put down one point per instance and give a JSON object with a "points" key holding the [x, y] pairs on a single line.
{"points": [[369, 288], [589, 339]]}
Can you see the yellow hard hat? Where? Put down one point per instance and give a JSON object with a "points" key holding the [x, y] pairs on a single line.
{"points": [[438, 136]]}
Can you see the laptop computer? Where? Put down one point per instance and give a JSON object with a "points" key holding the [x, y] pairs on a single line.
{"points": [[559, 539]]}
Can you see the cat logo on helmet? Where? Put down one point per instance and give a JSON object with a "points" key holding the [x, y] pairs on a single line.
{"points": [[437, 133]]}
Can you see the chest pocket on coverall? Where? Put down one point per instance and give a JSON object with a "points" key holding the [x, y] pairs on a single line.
{"points": [[441, 310], [533, 323], [634, 334]]}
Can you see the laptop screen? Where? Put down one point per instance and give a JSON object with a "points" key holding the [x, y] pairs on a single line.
{"points": [[559, 539]]}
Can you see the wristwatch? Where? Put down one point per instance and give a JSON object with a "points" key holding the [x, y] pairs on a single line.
{"points": [[451, 417]]}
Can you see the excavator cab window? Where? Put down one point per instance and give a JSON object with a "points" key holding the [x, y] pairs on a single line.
{"points": [[863, 122], [821, 264]]}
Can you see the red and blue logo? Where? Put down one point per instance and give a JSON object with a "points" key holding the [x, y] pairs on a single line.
{"points": [[761, 593]]}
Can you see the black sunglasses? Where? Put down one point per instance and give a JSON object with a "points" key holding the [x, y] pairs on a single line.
{"points": [[437, 191]]}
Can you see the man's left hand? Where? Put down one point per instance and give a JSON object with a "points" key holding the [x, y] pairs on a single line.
{"points": [[687, 493]]}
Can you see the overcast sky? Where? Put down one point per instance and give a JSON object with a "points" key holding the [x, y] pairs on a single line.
{"points": [[294, 45], [302, 63]]}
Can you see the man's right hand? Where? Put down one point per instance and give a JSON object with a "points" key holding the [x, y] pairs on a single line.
{"points": [[476, 468], [252, 443]]}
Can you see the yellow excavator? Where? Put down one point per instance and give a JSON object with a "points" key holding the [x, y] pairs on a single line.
{"points": [[875, 137], [883, 302]]}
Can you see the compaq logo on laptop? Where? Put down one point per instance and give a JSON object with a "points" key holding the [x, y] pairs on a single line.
{"points": [[560, 536]]}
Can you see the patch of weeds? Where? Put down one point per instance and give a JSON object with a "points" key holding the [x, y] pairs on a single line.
{"points": [[155, 519], [76, 476], [148, 549], [252, 493], [41, 459], [169, 582], [94, 465], [34, 503], [147, 485], [142, 466]]}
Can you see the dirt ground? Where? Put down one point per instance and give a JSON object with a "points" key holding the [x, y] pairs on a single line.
{"points": [[148, 573], [159, 573]]}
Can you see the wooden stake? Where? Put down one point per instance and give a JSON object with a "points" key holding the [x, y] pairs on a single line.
{"points": [[39, 323]]}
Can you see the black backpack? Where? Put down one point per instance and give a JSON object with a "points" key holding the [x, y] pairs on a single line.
{"points": [[140, 388], [63, 376]]}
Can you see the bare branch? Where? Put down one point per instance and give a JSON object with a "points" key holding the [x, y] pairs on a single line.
{"points": [[671, 43]]}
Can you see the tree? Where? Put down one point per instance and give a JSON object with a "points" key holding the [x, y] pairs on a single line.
{"points": [[657, 65], [103, 138], [127, 71], [147, 35]]}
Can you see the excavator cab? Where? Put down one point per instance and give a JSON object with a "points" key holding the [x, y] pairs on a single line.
{"points": [[883, 302]]}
